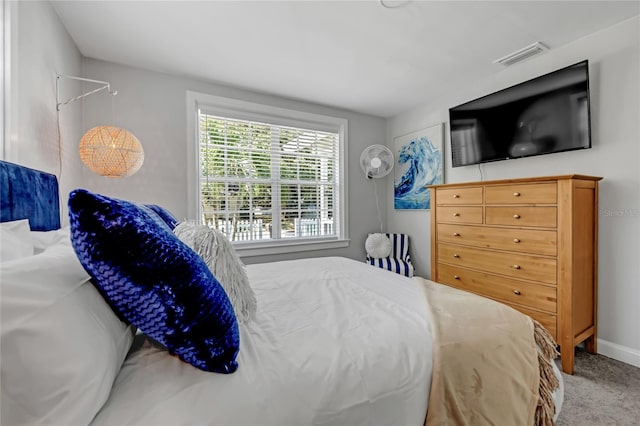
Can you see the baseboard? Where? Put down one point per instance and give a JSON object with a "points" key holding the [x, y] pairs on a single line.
{"points": [[619, 352]]}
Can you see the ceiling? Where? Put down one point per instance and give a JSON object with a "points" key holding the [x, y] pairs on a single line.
{"points": [[356, 55]]}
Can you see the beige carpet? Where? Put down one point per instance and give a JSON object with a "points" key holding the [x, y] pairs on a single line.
{"points": [[601, 392]]}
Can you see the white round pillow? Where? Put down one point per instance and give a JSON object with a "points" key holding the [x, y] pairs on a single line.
{"points": [[378, 245]]}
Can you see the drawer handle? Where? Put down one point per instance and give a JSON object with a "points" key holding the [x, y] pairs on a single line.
{"points": [[516, 266], [457, 256], [516, 194], [456, 196], [455, 277], [516, 292], [456, 214], [516, 240], [516, 216], [455, 234]]}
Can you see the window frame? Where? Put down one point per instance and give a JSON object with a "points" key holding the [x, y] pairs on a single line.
{"points": [[244, 110]]}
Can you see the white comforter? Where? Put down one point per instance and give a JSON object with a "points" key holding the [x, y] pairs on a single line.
{"points": [[334, 341]]}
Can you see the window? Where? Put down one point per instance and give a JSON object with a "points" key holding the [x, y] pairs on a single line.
{"points": [[269, 177]]}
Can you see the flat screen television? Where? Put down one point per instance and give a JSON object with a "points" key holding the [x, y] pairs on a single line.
{"points": [[544, 115]]}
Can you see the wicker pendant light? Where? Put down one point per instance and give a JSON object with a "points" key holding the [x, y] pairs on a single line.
{"points": [[111, 151]]}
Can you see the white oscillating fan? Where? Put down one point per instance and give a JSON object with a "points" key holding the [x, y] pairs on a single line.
{"points": [[376, 161]]}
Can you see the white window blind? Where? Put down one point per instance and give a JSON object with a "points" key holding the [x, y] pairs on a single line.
{"points": [[262, 181]]}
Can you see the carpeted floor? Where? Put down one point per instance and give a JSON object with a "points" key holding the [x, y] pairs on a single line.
{"points": [[601, 392]]}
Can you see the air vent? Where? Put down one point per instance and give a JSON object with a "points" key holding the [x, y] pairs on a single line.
{"points": [[522, 54]]}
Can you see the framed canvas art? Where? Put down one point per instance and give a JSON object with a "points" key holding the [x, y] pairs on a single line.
{"points": [[418, 163]]}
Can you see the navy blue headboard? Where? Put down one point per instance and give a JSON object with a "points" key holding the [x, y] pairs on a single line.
{"points": [[29, 194]]}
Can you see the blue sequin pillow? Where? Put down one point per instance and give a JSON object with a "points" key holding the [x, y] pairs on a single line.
{"points": [[164, 214], [153, 280]]}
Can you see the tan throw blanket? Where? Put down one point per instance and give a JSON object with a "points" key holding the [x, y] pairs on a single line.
{"points": [[491, 364]]}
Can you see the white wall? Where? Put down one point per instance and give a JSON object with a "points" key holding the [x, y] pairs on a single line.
{"points": [[153, 107], [42, 48], [614, 59]]}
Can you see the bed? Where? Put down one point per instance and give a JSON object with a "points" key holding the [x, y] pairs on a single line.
{"points": [[334, 341]]}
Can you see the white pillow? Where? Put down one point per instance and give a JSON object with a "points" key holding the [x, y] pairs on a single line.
{"points": [[44, 239], [224, 263], [62, 345], [378, 246], [15, 240]]}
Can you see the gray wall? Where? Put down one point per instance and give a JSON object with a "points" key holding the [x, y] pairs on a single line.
{"points": [[42, 48], [614, 59], [153, 107]]}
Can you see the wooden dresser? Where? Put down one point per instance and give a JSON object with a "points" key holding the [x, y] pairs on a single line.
{"points": [[529, 243]]}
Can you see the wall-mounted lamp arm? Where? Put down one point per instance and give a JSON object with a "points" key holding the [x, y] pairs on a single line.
{"points": [[106, 85]]}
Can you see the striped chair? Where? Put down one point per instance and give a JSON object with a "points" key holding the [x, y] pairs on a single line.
{"points": [[399, 261]]}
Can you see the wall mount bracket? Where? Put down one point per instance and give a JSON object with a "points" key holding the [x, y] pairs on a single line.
{"points": [[104, 85]]}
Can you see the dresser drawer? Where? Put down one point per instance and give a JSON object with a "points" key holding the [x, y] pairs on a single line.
{"points": [[459, 196], [548, 321], [498, 287], [534, 193], [522, 216], [459, 214], [520, 240], [524, 266]]}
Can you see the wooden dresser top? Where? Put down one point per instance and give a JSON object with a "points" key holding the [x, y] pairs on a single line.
{"points": [[518, 180]]}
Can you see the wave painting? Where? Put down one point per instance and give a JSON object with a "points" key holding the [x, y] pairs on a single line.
{"points": [[418, 163]]}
